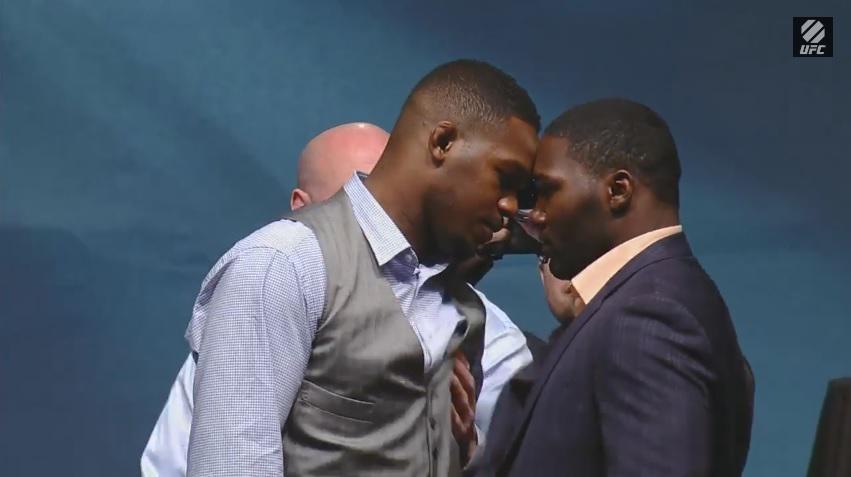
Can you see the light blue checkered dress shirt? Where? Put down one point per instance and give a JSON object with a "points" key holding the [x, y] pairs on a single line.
{"points": [[254, 322]]}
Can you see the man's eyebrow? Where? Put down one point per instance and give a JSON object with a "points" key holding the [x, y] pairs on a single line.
{"points": [[543, 180], [515, 167], [538, 177]]}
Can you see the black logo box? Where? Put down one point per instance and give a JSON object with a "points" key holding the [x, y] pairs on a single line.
{"points": [[825, 43]]}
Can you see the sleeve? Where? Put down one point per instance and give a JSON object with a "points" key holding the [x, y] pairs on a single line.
{"points": [[165, 453], [501, 360], [505, 353], [652, 383], [257, 335]]}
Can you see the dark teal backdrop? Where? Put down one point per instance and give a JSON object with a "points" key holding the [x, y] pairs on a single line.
{"points": [[140, 139]]}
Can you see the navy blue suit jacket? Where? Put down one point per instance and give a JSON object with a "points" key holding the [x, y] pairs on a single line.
{"points": [[648, 380]]}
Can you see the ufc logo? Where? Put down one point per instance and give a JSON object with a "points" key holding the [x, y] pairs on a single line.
{"points": [[807, 50]]}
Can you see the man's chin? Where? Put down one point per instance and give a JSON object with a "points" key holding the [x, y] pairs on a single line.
{"points": [[561, 270], [474, 268], [460, 252]]}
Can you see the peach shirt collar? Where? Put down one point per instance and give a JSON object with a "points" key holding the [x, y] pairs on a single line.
{"points": [[593, 278]]}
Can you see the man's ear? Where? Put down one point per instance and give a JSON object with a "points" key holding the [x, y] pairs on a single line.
{"points": [[620, 188], [299, 199], [441, 140]]}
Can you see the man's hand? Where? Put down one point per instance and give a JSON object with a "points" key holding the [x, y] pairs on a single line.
{"points": [[463, 390]]}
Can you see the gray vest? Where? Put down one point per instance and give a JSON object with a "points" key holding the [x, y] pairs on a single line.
{"points": [[366, 406]]}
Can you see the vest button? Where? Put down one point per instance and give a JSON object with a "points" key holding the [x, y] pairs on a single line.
{"points": [[433, 422]]}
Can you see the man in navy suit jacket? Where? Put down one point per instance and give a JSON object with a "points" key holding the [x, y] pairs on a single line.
{"points": [[648, 379]]}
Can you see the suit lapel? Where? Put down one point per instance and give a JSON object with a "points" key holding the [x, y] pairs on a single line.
{"points": [[669, 247]]}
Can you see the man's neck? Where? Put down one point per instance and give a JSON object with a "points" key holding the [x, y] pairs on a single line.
{"points": [[644, 224], [403, 204]]}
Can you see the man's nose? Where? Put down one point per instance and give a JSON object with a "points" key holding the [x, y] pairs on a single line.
{"points": [[508, 206], [538, 217]]}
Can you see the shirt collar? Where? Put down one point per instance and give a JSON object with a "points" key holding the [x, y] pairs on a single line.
{"points": [[384, 237], [593, 278]]}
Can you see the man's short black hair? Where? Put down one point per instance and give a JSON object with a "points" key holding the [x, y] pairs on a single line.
{"points": [[476, 92], [611, 134]]}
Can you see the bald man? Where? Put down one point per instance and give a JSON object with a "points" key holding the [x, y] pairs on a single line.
{"points": [[325, 164], [330, 158]]}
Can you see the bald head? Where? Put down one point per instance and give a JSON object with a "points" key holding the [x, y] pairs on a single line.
{"points": [[332, 157]]}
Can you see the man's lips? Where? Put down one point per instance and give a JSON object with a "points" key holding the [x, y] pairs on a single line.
{"points": [[492, 228], [487, 234], [497, 239]]}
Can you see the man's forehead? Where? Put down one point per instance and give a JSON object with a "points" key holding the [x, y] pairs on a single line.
{"points": [[513, 147], [524, 135], [552, 145], [551, 158]]}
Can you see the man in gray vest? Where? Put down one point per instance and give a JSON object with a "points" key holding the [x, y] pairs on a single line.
{"points": [[324, 342], [325, 164]]}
